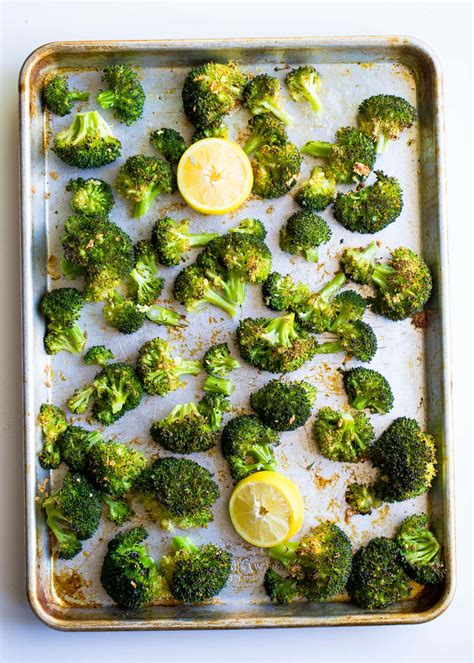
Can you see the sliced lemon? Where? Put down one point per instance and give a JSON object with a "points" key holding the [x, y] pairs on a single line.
{"points": [[266, 509], [215, 176]]}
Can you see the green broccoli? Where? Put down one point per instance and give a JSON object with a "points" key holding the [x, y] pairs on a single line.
{"points": [[98, 355], [262, 95], [159, 371], [215, 385], [341, 436], [141, 178], [366, 388], [52, 422], [57, 96], [264, 130], [378, 578], [349, 307], [218, 360], [303, 234], [144, 284], [279, 589], [284, 405], [62, 308], [356, 339], [383, 117], [172, 240], [304, 84], [282, 293], [169, 143], [316, 193], [72, 514], [74, 443], [113, 467], [118, 511], [247, 446], [217, 130], [350, 159], [193, 289], [420, 550], [361, 498], [251, 227], [88, 143], [124, 94], [276, 169], [91, 197], [358, 264], [123, 314], [371, 208]]}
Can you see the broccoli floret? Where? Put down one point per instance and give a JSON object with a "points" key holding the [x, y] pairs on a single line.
{"points": [[320, 563], [72, 514], [251, 227], [276, 169], [341, 436], [278, 345], [141, 179], [172, 240], [129, 575], [193, 289], [169, 143], [350, 307], [377, 578], [217, 130], [144, 284], [265, 130], [159, 371], [218, 360], [361, 499], [366, 388], [211, 91], [213, 406], [350, 159], [123, 314], [74, 444], [284, 405], [195, 574], [383, 117], [420, 550], [282, 293], [358, 264], [118, 511], [316, 193], [91, 197], [318, 312], [62, 308], [406, 458], [124, 94], [356, 339], [178, 492], [280, 589], [303, 233], [71, 271], [113, 467], [57, 96], [247, 446], [88, 143], [262, 95], [52, 422], [189, 427], [98, 355], [304, 84], [372, 208]]}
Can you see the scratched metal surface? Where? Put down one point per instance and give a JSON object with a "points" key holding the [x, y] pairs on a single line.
{"points": [[69, 594]]}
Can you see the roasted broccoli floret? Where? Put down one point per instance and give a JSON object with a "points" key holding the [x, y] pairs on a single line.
{"points": [[211, 91], [303, 234], [356, 339], [358, 264], [57, 96], [88, 143], [124, 94], [195, 574], [91, 197], [159, 371], [169, 143], [114, 467], [420, 550], [251, 227], [284, 405], [342, 436], [247, 446], [193, 289], [262, 95], [378, 578], [218, 360], [52, 422], [276, 169], [349, 307], [265, 130], [366, 388], [62, 308], [319, 565], [217, 130], [98, 355], [74, 444], [361, 498], [350, 159], [316, 193], [129, 575], [304, 84], [118, 511], [145, 285], [178, 492], [279, 589], [123, 314], [318, 312], [282, 293], [172, 240], [383, 117], [406, 458], [190, 427], [72, 514], [141, 179], [278, 345]]}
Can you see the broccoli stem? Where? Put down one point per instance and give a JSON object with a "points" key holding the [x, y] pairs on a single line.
{"points": [[331, 347], [74, 339], [79, 96], [216, 385], [79, 401], [264, 456], [281, 114], [70, 270], [214, 298], [380, 274], [234, 288], [184, 543], [254, 142], [106, 99], [142, 207], [187, 367], [311, 255], [382, 144], [281, 331], [163, 316], [317, 148], [201, 239], [313, 99], [285, 553], [368, 254]]}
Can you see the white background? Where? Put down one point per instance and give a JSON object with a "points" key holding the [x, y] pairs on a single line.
{"points": [[447, 27]]}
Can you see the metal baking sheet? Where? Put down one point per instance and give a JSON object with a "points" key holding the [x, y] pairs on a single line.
{"points": [[68, 595]]}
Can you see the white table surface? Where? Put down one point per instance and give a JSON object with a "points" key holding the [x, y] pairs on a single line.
{"points": [[447, 28]]}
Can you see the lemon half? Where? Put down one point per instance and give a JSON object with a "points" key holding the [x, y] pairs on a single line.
{"points": [[266, 509], [214, 176]]}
